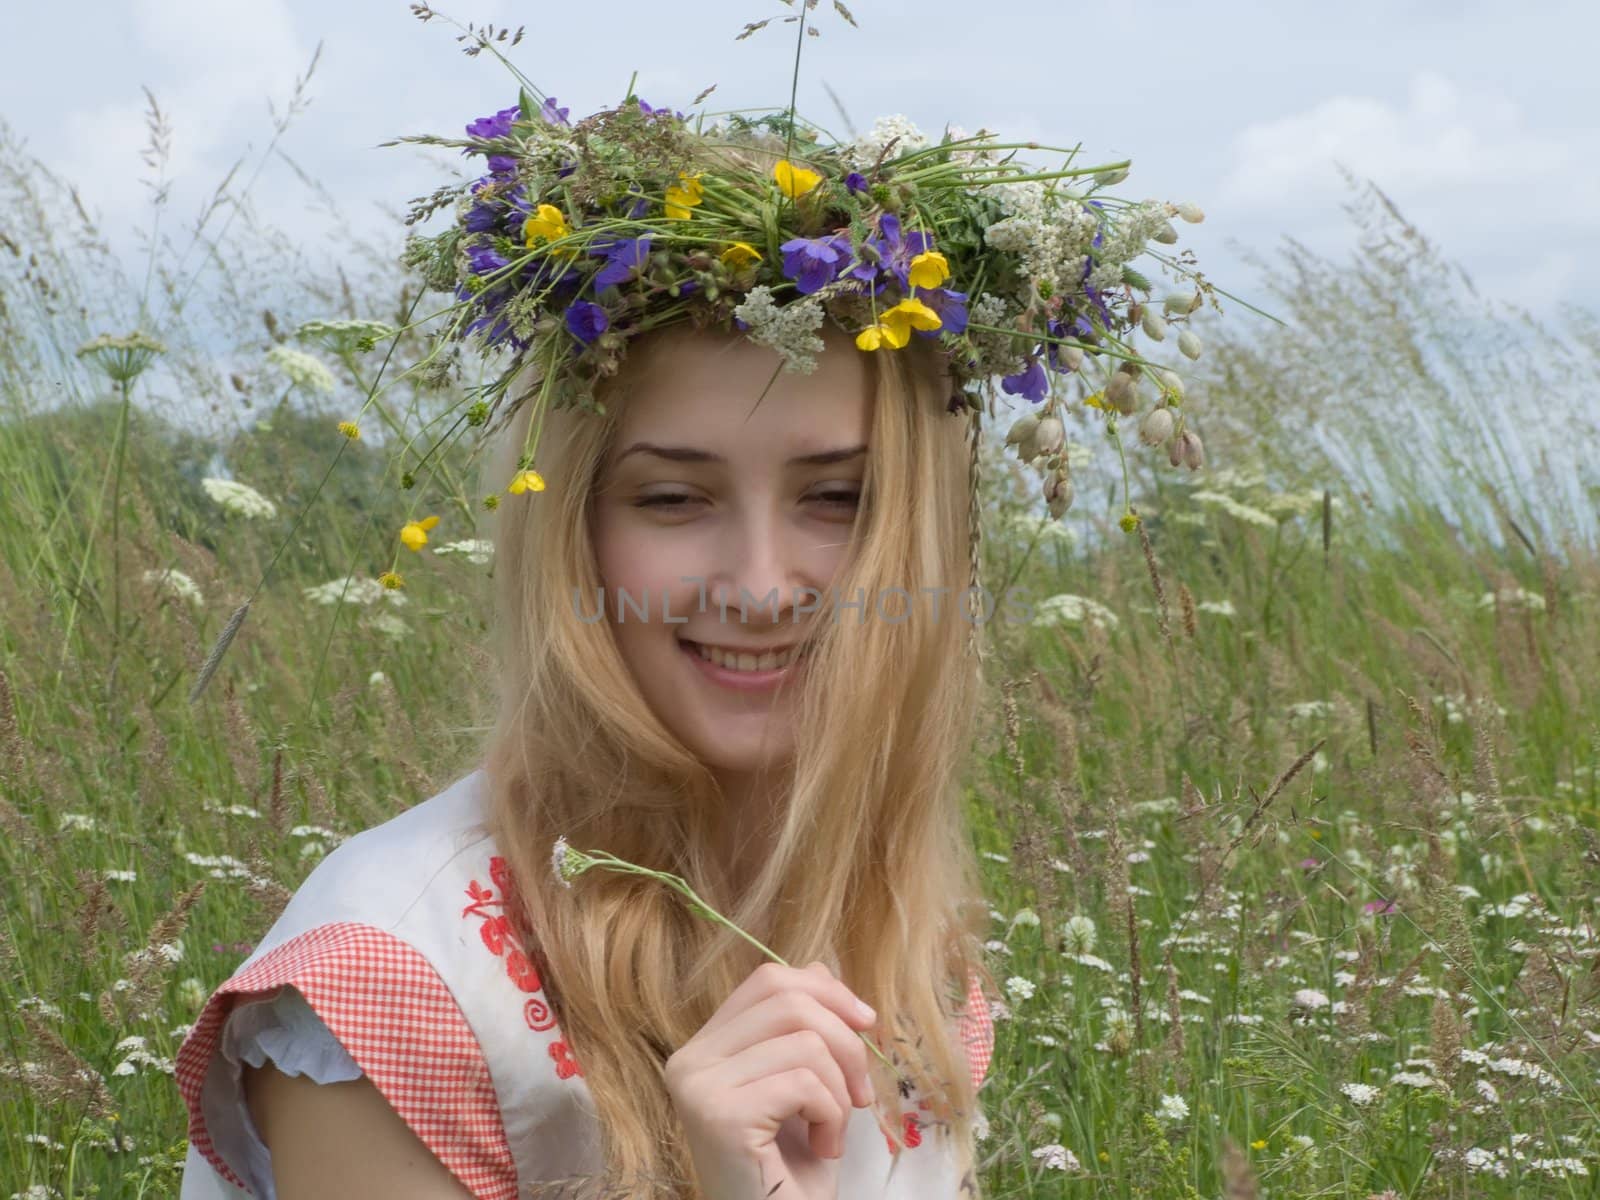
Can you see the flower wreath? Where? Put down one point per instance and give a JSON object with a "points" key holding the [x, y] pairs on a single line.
{"points": [[583, 234]]}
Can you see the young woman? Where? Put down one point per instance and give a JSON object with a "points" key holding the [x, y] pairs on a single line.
{"points": [[730, 648]]}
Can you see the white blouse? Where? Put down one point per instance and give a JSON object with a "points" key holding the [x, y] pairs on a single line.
{"points": [[287, 1030], [396, 960]]}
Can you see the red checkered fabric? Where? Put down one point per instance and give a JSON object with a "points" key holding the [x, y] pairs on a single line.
{"points": [[977, 1030], [394, 1015]]}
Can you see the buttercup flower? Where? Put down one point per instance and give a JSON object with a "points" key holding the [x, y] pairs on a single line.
{"points": [[929, 269], [415, 533], [895, 326], [526, 481], [684, 197], [547, 225], [740, 254], [794, 181]]}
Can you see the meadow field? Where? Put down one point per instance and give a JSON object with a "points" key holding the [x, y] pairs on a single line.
{"points": [[1288, 803]]}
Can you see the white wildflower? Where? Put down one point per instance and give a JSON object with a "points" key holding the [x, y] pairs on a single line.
{"points": [[1360, 1094], [1078, 934], [77, 821], [1058, 1158], [863, 152], [1019, 988], [475, 550], [176, 582], [355, 590], [116, 876], [1414, 1079], [791, 330], [1311, 998], [388, 624], [1172, 1109], [1217, 608], [1074, 610], [239, 498], [303, 370]]}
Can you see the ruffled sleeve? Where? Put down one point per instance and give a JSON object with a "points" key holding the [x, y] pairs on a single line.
{"points": [[388, 1016]]}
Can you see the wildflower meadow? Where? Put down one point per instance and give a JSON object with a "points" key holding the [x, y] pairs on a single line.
{"points": [[1287, 798]]}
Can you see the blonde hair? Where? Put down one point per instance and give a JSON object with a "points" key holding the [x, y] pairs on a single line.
{"points": [[873, 844]]}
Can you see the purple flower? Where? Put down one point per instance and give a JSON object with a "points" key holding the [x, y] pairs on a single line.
{"points": [[485, 260], [553, 114], [951, 307], [648, 111], [482, 217], [624, 258], [1030, 382], [586, 321], [1382, 908], [812, 262], [496, 126], [856, 182]]}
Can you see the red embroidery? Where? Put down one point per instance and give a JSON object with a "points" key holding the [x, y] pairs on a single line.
{"points": [[499, 937]]}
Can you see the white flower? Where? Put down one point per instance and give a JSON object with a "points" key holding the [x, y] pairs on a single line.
{"points": [[376, 678], [1310, 998], [1172, 1109], [1413, 1079], [176, 582], [1360, 1094], [304, 370], [77, 821], [388, 624], [355, 590], [121, 876], [864, 151], [1074, 610], [1058, 1158], [1217, 608], [790, 330], [1078, 934], [1236, 510], [1019, 988], [239, 498], [474, 550], [1024, 916]]}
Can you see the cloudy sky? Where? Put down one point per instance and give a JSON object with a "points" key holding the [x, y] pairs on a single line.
{"points": [[1475, 117]]}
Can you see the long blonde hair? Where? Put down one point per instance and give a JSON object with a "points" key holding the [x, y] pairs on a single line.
{"points": [[872, 870]]}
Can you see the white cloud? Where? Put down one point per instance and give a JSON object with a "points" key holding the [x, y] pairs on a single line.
{"points": [[1440, 142]]}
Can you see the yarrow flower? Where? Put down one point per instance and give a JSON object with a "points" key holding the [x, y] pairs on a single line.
{"points": [[1057, 1157], [303, 370], [1172, 1109], [1360, 1094], [790, 330], [177, 583], [239, 498]]}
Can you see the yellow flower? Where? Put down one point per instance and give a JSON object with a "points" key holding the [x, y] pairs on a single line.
{"points": [[391, 580], [1097, 400], [350, 429], [894, 329], [548, 224], [1259, 1144], [929, 269], [794, 181], [1316, 833], [740, 254], [415, 533], [1104, 1157], [526, 481], [681, 199]]}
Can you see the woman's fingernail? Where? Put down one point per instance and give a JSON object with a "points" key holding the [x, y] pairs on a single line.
{"points": [[866, 1011]]}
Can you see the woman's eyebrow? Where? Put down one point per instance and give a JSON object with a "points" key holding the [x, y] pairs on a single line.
{"points": [[692, 454]]}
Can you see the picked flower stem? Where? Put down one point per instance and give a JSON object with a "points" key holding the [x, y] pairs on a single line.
{"points": [[569, 863]]}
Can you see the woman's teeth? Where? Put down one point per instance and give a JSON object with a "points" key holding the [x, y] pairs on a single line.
{"points": [[747, 662]]}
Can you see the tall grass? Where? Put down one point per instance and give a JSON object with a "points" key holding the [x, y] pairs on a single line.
{"points": [[1306, 799]]}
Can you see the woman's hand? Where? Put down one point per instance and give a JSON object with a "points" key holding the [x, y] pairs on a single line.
{"points": [[781, 1053]]}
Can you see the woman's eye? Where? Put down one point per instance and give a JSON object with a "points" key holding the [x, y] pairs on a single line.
{"points": [[839, 498], [664, 500]]}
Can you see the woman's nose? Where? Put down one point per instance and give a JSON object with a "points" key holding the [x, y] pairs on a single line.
{"points": [[760, 572]]}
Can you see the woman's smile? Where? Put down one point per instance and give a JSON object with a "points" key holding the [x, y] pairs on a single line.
{"points": [[745, 670]]}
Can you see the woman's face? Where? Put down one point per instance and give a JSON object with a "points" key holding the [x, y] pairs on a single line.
{"points": [[707, 498]]}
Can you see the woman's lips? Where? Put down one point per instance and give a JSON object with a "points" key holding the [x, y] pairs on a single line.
{"points": [[740, 681]]}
